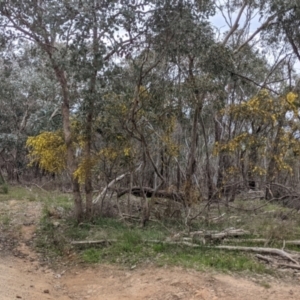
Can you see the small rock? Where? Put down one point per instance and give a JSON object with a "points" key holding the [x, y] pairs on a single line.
{"points": [[46, 291], [56, 224], [19, 297]]}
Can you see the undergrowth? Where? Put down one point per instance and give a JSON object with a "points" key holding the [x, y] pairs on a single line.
{"points": [[130, 245], [4, 188], [125, 242]]}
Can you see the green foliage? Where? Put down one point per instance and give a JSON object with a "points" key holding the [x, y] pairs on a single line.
{"points": [[4, 188], [261, 114]]}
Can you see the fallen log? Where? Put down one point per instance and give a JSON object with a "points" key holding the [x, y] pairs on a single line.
{"points": [[270, 251], [273, 251], [93, 242], [108, 186], [265, 258], [173, 243], [282, 265], [214, 235], [138, 191], [291, 242], [120, 177]]}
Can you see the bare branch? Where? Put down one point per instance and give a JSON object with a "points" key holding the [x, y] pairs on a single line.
{"points": [[236, 24]]}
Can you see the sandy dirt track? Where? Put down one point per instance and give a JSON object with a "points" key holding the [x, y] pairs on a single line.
{"points": [[25, 279], [23, 276]]}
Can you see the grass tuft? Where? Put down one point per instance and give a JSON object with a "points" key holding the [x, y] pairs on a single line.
{"points": [[91, 255], [4, 188]]}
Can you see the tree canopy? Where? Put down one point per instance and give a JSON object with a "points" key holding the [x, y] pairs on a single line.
{"points": [[151, 94]]}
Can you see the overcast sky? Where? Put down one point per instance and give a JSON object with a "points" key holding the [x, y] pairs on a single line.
{"points": [[220, 25]]}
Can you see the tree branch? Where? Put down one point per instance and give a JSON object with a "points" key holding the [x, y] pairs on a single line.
{"points": [[236, 23]]}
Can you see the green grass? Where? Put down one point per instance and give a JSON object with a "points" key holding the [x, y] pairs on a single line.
{"points": [[132, 247], [205, 258], [5, 220], [54, 198], [57, 200], [22, 193], [4, 188], [91, 255], [51, 240]]}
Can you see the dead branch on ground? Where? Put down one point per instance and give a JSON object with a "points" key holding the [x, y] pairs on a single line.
{"points": [[276, 264], [214, 235], [291, 242], [273, 251], [94, 242], [138, 191]]}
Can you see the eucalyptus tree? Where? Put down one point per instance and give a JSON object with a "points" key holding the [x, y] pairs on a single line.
{"points": [[28, 99], [78, 39], [183, 32], [149, 82], [264, 49], [285, 25]]}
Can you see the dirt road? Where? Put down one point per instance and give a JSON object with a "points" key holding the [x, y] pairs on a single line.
{"points": [[23, 276], [26, 279]]}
